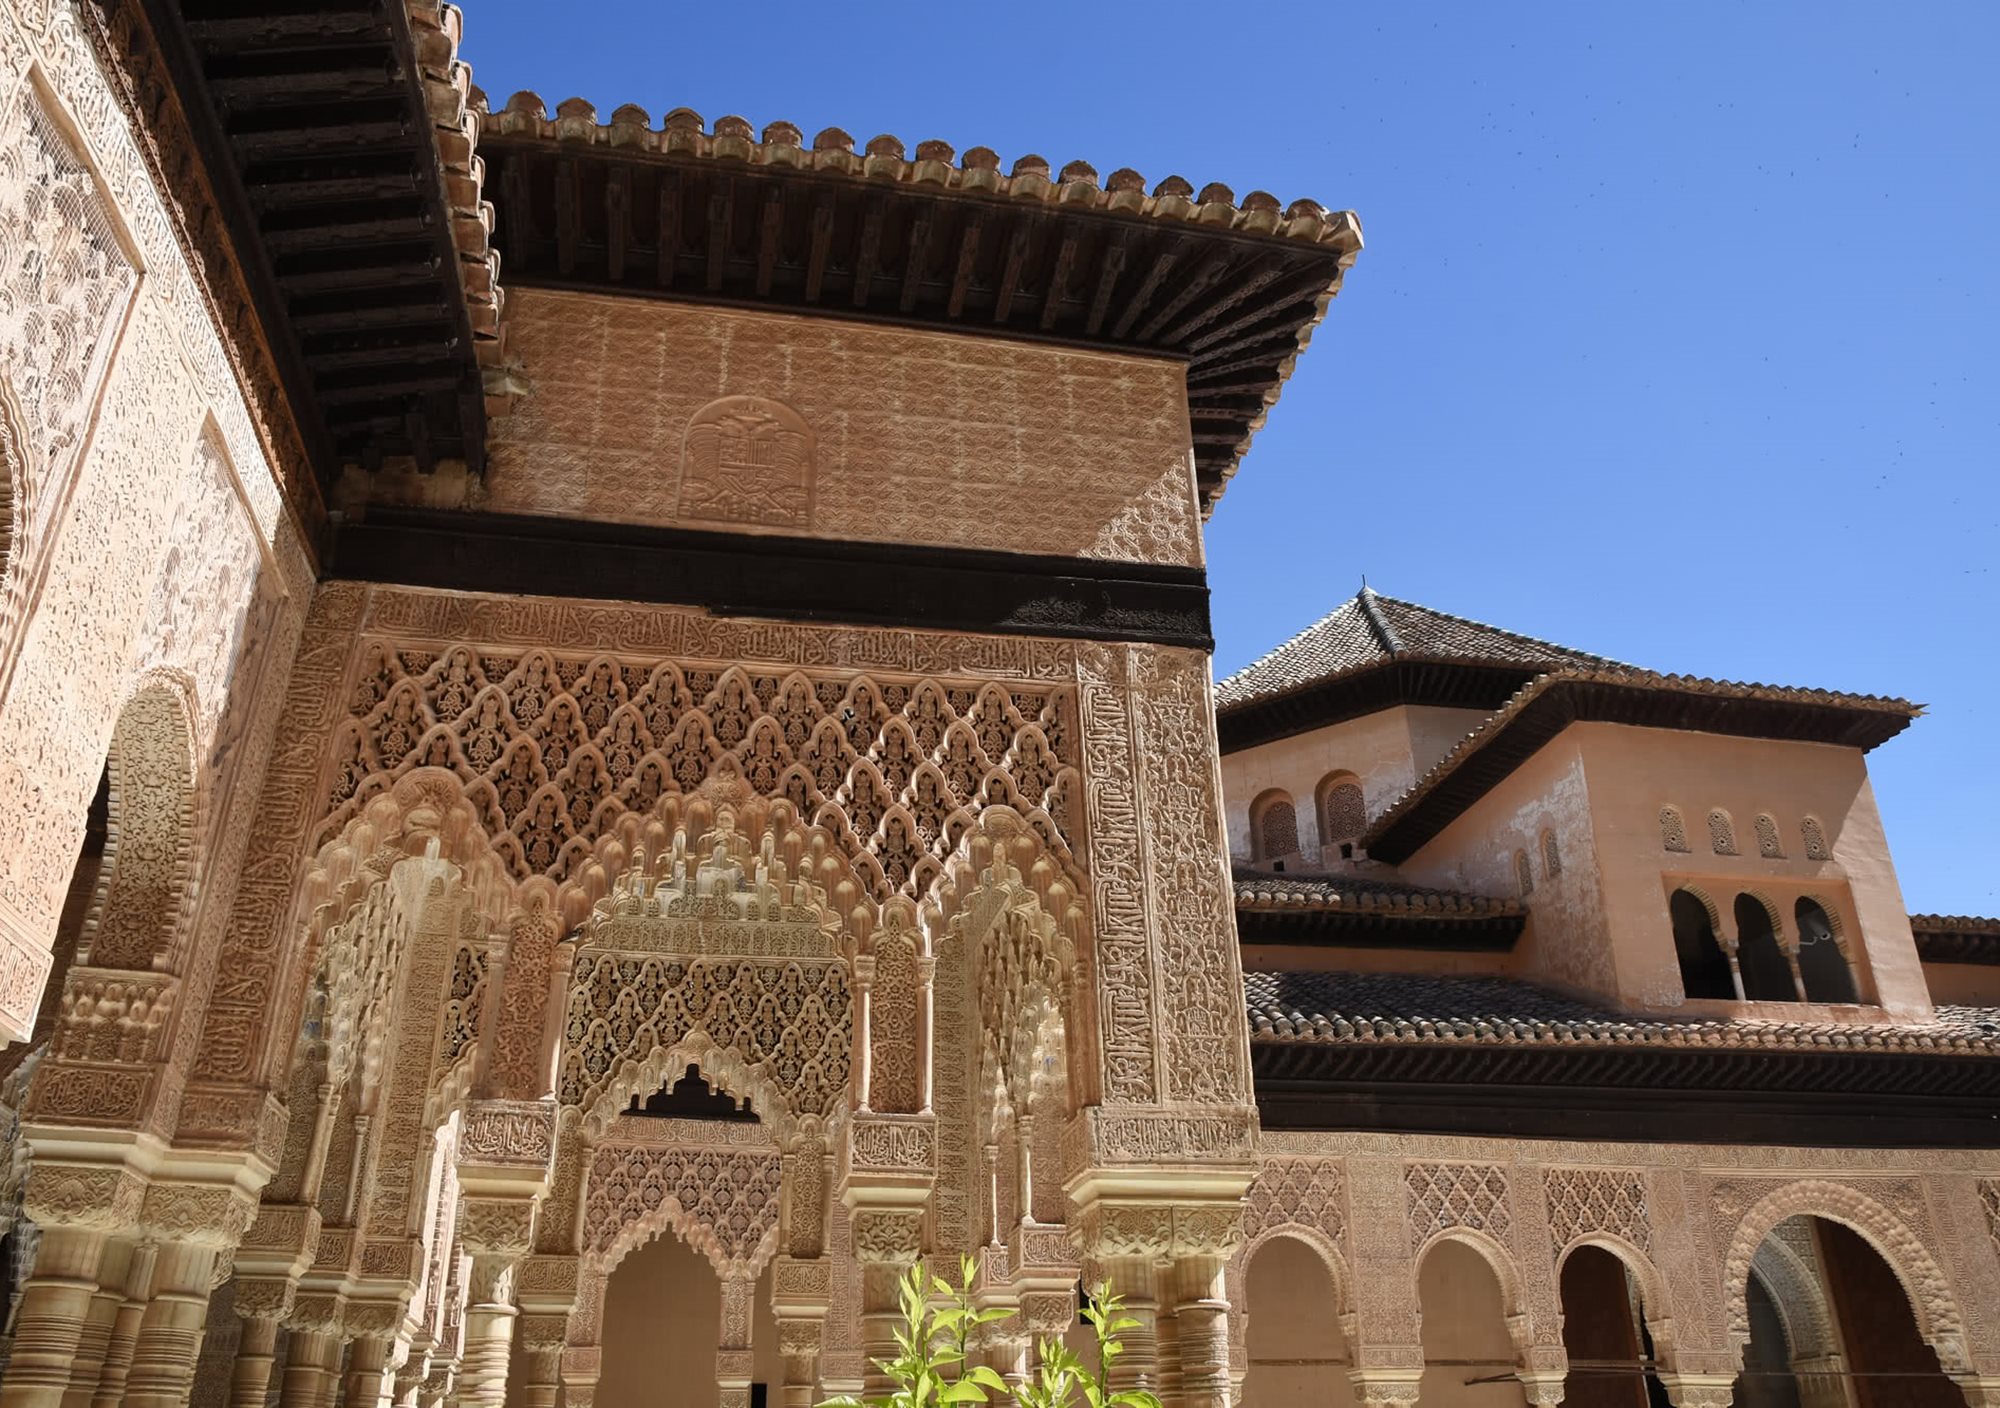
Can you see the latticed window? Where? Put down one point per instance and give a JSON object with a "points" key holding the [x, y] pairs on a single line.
{"points": [[1343, 814], [1721, 833], [1815, 838], [1768, 845], [1673, 831], [1552, 864], [1524, 873], [1277, 829]]}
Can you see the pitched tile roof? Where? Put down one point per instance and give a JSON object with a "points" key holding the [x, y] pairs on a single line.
{"points": [[1371, 630], [1621, 694], [1333, 1008]]}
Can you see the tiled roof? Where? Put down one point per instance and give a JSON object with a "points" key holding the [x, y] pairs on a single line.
{"points": [[1622, 694], [1333, 1008], [937, 164], [1371, 630], [1956, 938], [1259, 890]]}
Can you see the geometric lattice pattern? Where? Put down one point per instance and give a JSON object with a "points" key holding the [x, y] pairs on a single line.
{"points": [[1586, 1200], [726, 1199], [553, 749], [1304, 1191], [1443, 1196], [1989, 1198]]}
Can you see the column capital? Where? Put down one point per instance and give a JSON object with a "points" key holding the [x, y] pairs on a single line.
{"points": [[498, 1226], [1699, 1390], [1386, 1388]]}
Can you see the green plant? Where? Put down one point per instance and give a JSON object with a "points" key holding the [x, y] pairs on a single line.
{"points": [[1061, 1375], [930, 1368]]}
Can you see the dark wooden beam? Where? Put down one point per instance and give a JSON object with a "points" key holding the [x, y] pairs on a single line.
{"points": [[1163, 263], [822, 245], [721, 215], [567, 215], [1204, 278], [1109, 267], [311, 29], [872, 219], [917, 261], [1010, 272], [770, 236], [1058, 289], [669, 248], [617, 220], [968, 259]]}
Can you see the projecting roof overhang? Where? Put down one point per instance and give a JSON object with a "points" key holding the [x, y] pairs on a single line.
{"points": [[936, 241]]}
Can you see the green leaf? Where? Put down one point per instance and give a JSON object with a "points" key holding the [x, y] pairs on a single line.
{"points": [[988, 1376], [1134, 1398]]}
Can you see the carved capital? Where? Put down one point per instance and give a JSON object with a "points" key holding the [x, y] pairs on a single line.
{"points": [[105, 1198], [211, 1215], [503, 1227], [888, 1236], [265, 1297], [542, 1332]]}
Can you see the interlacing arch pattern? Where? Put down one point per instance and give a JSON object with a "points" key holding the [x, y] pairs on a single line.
{"points": [[553, 749], [1923, 1280], [722, 1201], [722, 942]]}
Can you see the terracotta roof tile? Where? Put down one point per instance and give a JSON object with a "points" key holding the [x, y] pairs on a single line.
{"points": [[1370, 630], [1413, 1009]]}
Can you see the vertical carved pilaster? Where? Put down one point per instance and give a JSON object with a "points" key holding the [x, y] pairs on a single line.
{"points": [[734, 1363], [887, 1242]]}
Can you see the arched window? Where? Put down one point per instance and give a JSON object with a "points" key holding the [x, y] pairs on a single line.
{"points": [[1343, 811], [1552, 864], [1767, 975], [1815, 838], [1274, 827], [1673, 831], [1524, 873], [1721, 833], [1822, 966], [1768, 845], [1704, 966]]}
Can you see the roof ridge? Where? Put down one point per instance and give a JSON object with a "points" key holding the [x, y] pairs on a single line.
{"points": [[1512, 635], [1379, 623]]}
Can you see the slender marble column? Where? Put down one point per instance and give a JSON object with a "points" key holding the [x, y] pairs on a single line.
{"points": [[170, 1332], [489, 1332], [94, 1343], [312, 1367], [49, 1322], [368, 1372], [1201, 1318], [125, 1327], [256, 1352]]}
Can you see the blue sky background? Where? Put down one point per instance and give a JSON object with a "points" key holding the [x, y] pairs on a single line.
{"points": [[1677, 335]]}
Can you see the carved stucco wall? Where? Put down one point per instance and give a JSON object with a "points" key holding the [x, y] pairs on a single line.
{"points": [[150, 535], [908, 436], [557, 685], [1684, 1219]]}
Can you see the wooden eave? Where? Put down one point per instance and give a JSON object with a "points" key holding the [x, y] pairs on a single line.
{"points": [[314, 124], [1234, 307], [1339, 927], [1695, 707], [1447, 684], [1731, 1096]]}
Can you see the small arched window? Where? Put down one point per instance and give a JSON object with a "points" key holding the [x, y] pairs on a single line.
{"points": [[1275, 827], [1822, 966], [1815, 838], [1673, 831], [1524, 873], [1343, 811], [1704, 966], [1768, 845], [1552, 864], [1767, 974], [1721, 833]]}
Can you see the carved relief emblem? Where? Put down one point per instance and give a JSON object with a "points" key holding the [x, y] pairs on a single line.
{"points": [[748, 459]]}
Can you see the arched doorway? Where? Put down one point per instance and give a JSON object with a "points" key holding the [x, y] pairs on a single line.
{"points": [[1469, 1358], [661, 1309], [1296, 1351], [1832, 1327], [1604, 1334]]}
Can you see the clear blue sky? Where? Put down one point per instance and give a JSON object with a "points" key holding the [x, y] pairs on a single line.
{"points": [[1677, 335]]}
